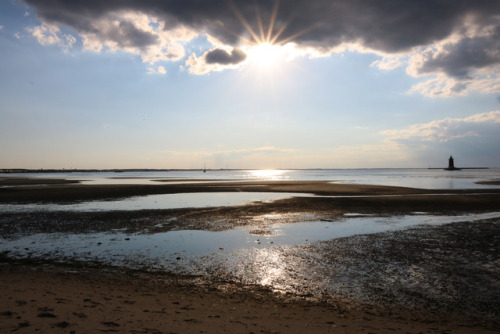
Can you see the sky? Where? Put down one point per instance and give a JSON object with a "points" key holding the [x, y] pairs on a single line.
{"points": [[259, 84]]}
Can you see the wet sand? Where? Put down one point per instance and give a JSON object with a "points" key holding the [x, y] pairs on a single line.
{"points": [[493, 182], [19, 181], [460, 260], [52, 302], [54, 190]]}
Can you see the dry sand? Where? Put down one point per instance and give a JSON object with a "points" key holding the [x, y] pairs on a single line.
{"points": [[47, 298]]}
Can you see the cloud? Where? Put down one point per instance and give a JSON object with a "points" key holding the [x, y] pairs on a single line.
{"points": [[49, 34], [474, 138], [1, 27], [448, 129], [214, 61], [157, 70], [388, 63], [486, 81], [389, 26], [464, 62], [269, 156], [136, 33], [223, 57], [447, 38], [458, 59]]}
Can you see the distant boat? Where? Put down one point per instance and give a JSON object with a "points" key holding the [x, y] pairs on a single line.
{"points": [[204, 168]]}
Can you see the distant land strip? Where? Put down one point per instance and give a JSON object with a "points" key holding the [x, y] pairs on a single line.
{"points": [[119, 170], [22, 170]]}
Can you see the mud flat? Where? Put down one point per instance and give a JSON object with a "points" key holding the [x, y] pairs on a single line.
{"points": [[429, 279], [493, 182]]}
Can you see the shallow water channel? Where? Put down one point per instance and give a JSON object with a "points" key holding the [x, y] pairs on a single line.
{"points": [[159, 202], [167, 249]]}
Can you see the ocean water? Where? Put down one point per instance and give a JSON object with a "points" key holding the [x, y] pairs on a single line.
{"points": [[415, 178], [404, 177], [155, 202]]}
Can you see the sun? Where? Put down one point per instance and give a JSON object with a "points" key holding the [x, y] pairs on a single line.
{"points": [[264, 43], [265, 54]]}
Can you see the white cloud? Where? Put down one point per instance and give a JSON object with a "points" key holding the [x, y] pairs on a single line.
{"points": [[157, 70], [447, 129], [49, 34], [465, 62], [388, 63], [137, 33], [128, 31], [485, 81], [18, 35], [1, 27]]}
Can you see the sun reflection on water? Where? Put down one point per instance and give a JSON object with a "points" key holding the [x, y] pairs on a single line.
{"points": [[271, 271], [269, 174]]}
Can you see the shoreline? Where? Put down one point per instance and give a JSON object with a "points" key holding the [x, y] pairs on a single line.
{"points": [[458, 259]]}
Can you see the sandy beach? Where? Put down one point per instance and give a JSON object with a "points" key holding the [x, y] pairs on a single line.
{"points": [[438, 279], [51, 302]]}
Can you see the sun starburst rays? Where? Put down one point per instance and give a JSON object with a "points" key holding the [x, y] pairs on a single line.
{"points": [[272, 22], [263, 35], [265, 40]]}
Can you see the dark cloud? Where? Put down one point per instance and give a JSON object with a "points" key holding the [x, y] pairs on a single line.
{"points": [[220, 56], [127, 35], [385, 25], [469, 53]]}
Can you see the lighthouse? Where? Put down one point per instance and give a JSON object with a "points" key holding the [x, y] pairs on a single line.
{"points": [[451, 164]]}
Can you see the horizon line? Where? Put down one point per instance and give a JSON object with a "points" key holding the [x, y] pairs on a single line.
{"points": [[97, 170]]}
